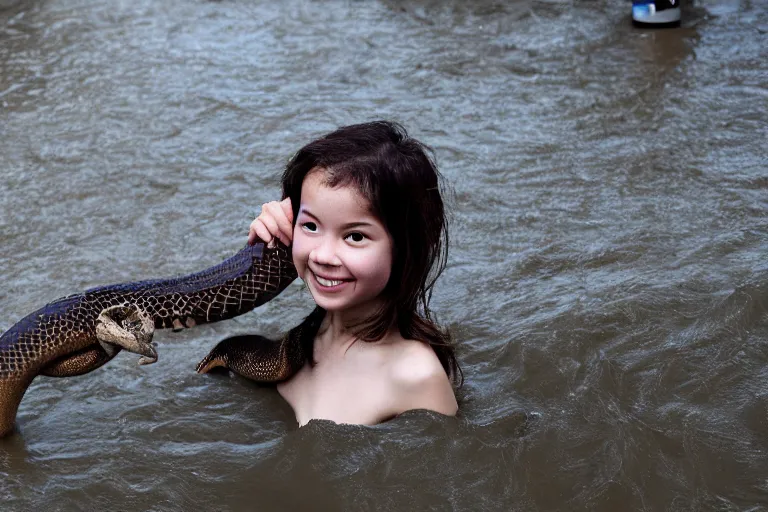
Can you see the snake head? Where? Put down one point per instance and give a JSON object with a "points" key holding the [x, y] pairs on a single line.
{"points": [[126, 326]]}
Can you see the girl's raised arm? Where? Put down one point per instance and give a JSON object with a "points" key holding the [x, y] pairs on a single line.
{"points": [[275, 220]]}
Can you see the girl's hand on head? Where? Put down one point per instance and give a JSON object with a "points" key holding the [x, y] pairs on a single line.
{"points": [[274, 221]]}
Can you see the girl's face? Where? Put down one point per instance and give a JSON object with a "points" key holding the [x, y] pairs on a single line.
{"points": [[340, 249]]}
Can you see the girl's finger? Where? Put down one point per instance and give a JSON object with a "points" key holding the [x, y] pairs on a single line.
{"points": [[258, 230], [263, 233], [284, 225], [252, 232], [269, 224], [287, 209]]}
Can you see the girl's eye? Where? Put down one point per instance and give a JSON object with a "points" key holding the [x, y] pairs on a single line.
{"points": [[355, 237], [309, 226]]}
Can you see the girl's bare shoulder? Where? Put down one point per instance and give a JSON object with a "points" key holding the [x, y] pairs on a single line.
{"points": [[418, 379]]}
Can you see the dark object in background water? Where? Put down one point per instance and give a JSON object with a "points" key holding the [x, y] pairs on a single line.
{"points": [[656, 13], [77, 334]]}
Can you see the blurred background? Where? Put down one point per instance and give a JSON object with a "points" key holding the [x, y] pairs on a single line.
{"points": [[607, 283]]}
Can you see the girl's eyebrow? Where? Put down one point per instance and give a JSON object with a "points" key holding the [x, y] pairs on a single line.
{"points": [[357, 225], [307, 212], [348, 225]]}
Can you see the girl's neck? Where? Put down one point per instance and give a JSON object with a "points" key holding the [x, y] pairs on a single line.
{"points": [[334, 332], [337, 328]]}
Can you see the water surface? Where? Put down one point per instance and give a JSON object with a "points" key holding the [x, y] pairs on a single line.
{"points": [[607, 282]]}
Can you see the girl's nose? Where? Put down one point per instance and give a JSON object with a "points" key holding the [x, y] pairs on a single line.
{"points": [[324, 253]]}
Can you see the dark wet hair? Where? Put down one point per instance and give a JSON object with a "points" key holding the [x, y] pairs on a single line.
{"points": [[399, 178]]}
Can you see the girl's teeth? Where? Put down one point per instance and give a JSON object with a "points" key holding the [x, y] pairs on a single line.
{"points": [[326, 282]]}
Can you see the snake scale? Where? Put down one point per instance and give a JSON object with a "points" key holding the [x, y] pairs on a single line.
{"points": [[79, 333]]}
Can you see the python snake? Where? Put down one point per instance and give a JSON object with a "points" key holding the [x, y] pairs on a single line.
{"points": [[79, 333]]}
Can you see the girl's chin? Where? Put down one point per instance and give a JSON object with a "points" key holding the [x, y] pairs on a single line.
{"points": [[327, 301], [332, 303], [338, 304]]}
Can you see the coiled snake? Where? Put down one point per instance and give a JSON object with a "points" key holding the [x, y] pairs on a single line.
{"points": [[79, 333]]}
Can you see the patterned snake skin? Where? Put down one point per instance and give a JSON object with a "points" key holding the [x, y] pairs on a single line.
{"points": [[60, 339]]}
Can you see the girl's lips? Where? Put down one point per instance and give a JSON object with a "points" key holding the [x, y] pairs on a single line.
{"points": [[328, 285], [328, 282]]}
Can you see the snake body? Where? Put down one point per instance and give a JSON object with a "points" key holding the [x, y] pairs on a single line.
{"points": [[64, 339]]}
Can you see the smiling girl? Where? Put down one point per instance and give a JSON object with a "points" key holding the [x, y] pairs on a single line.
{"points": [[363, 213]]}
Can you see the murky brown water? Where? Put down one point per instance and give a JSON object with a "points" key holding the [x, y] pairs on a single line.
{"points": [[608, 281]]}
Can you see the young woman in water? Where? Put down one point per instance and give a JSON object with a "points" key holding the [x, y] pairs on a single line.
{"points": [[363, 212]]}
